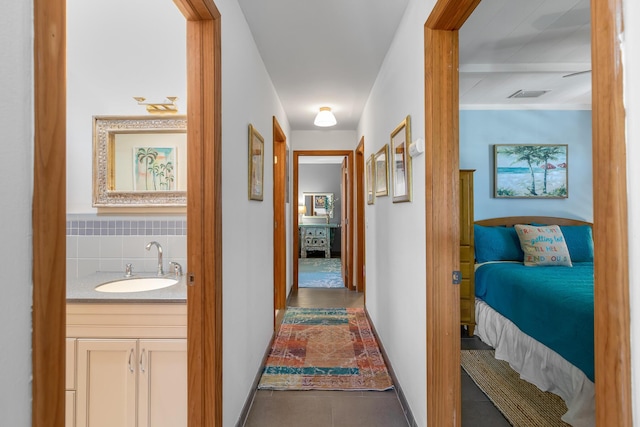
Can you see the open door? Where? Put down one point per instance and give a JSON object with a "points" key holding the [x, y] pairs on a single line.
{"points": [[344, 223]]}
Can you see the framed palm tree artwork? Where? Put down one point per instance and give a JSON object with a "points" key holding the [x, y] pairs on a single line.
{"points": [[531, 171], [154, 168]]}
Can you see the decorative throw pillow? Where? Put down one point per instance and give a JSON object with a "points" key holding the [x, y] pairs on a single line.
{"points": [[543, 245]]}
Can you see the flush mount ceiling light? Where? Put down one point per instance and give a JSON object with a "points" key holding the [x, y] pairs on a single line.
{"points": [[528, 94], [325, 118]]}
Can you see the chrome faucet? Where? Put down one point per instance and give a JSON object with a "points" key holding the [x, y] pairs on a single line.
{"points": [[160, 269], [177, 268]]}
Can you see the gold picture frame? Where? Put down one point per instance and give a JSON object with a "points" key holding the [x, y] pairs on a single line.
{"points": [[382, 171], [371, 193], [400, 161], [256, 165]]}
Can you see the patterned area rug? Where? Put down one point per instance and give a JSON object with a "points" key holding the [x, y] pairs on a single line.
{"points": [[325, 349], [320, 273], [522, 403]]}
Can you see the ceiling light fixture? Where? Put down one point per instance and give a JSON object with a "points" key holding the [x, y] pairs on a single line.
{"points": [[325, 118]]}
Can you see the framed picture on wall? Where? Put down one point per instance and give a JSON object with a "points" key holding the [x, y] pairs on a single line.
{"points": [[256, 165], [382, 171], [400, 161], [370, 170], [531, 171]]}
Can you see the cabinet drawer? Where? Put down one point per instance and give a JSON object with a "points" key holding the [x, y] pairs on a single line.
{"points": [[321, 232], [466, 290], [466, 311], [466, 254], [466, 269]]}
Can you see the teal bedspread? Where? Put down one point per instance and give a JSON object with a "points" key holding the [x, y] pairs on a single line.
{"points": [[553, 305]]}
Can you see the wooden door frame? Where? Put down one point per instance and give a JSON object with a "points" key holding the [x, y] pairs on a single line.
{"points": [[360, 219], [204, 136], [611, 286], [279, 218], [294, 211]]}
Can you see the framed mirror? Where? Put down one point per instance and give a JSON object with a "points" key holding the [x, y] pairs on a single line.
{"points": [[139, 161], [401, 162], [318, 205]]}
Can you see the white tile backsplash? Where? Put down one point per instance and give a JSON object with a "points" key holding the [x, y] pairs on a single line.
{"points": [[91, 245]]}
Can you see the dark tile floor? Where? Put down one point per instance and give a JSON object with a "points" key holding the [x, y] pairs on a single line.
{"points": [[352, 409]]}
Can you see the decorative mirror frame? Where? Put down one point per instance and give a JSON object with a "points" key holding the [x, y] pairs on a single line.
{"points": [[104, 130], [400, 140], [382, 171]]}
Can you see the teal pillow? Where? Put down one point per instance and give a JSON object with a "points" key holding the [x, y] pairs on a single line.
{"points": [[579, 239], [497, 244]]}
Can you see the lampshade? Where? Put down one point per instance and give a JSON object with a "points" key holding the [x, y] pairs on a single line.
{"points": [[302, 210], [325, 118]]}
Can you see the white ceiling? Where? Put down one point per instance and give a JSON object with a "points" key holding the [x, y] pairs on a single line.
{"points": [[511, 45], [328, 53]]}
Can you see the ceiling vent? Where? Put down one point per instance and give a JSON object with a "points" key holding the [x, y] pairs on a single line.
{"points": [[528, 94]]}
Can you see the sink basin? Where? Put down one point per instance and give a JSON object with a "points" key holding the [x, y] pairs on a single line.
{"points": [[137, 284]]}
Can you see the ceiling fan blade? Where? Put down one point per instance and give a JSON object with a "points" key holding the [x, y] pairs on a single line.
{"points": [[577, 73]]}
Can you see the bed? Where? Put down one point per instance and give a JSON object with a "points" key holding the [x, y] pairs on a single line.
{"points": [[535, 307]]}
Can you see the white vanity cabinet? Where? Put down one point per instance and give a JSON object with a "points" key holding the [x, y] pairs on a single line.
{"points": [[130, 365]]}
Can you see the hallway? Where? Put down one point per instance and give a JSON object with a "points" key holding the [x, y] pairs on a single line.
{"points": [[350, 409]]}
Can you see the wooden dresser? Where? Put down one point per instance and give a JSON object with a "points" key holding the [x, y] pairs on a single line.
{"points": [[467, 253]]}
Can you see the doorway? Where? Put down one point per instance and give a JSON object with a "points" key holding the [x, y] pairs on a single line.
{"points": [[280, 186], [204, 201], [326, 217], [612, 334]]}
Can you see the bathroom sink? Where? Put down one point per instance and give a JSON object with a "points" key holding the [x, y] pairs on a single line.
{"points": [[137, 284]]}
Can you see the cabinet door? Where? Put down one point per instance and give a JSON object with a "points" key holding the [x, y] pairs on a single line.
{"points": [[106, 381], [162, 383]]}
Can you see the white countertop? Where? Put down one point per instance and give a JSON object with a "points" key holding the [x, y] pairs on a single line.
{"points": [[82, 290]]}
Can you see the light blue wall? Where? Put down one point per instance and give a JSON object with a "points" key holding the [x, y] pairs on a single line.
{"points": [[481, 129]]}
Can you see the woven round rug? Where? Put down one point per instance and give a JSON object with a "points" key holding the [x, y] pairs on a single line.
{"points": [[522, 403]]}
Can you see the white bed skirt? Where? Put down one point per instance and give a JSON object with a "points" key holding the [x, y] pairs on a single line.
{"points": [[538, 364]]}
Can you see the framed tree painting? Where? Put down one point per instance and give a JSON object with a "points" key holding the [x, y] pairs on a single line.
{"points": [[531, 171], [256, 165]]}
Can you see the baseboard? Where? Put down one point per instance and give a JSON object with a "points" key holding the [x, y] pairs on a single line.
{"points": [[411, 421], [254, 386]]}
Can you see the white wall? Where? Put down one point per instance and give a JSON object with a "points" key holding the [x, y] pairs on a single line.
{"points": [[481, 129], [631, 58], [323, 140], [395, 246], [116, 50], [16, 120], [248, 97]]}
